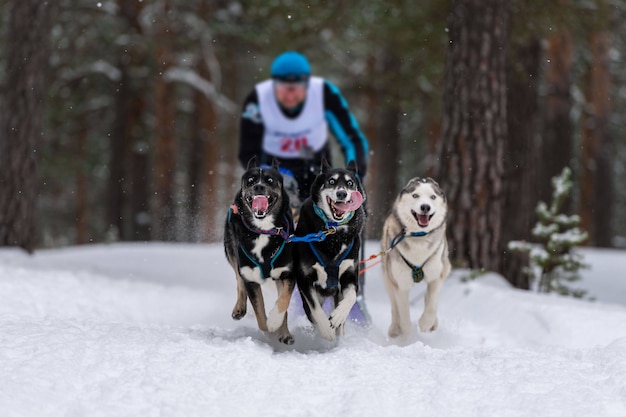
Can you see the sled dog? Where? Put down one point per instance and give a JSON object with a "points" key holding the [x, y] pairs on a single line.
{"points": [[329, 268], [414, 234], [255, 241]]}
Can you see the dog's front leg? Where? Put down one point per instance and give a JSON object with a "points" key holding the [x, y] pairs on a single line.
{"points": [[317, 314], [278, 314], [277, 319], [339, 315], [256, 299], [428, 321]]}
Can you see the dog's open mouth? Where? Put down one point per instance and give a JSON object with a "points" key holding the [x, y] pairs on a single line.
{"points": [[423, 219], [260, 205], [340, 208]]}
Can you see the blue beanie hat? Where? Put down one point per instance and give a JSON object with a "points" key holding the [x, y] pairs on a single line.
{"points": [[290, 66]]}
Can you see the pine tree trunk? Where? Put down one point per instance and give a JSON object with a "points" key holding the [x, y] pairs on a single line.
{"points": [[129, 186], [597, 148], [22, 118], [520, 195], [474, 130], [165, 143], [386, 155], [558, 133], [82, 203]]}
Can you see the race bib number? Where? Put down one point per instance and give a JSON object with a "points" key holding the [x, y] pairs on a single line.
{"points": [[293, 145]]}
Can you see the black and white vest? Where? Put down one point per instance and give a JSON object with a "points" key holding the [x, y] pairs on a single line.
{"points": [[285, 137]]}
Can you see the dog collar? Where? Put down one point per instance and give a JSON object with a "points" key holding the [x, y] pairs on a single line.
{"points": [[330, 223], [275, 231], [400, 237]]}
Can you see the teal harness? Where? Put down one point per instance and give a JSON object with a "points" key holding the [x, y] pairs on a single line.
{"points": [[267, 266], [331, 268], [417, 271]]}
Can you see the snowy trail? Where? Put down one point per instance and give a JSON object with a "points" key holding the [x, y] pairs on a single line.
{"points": [[128, 330]]}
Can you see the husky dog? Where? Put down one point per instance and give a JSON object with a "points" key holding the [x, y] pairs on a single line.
{"points": [[255, 242], [414, 236], [330, 267]]}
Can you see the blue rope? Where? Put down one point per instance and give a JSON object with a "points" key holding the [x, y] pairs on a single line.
{"points": [[319, 236]]}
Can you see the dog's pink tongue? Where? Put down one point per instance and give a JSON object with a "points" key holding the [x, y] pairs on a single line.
{"points": [[356, 199], [423, 219], [260, 203]]}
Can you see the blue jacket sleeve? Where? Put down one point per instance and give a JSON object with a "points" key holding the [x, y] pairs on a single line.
{"points": [[345, 128]]}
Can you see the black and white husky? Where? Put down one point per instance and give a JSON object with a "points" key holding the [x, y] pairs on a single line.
{"points": [[255, 241], [414, 236], [329, 268]]}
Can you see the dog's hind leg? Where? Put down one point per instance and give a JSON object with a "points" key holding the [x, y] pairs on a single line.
{"points": [[242, 298], [256, 299], [394, 327], [428, 321], [278, 314]]}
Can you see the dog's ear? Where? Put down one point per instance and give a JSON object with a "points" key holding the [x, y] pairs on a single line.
{"points": [[275, 164], [352, 167], [438, 189], [252, 163], [325, 165]]}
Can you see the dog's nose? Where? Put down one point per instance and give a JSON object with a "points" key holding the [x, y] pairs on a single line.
{"points": [[342, 194], [259, 187], [425, 208]]}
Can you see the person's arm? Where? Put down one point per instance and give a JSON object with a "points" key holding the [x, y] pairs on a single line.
{"points": [[251, 130], [345, 128]]}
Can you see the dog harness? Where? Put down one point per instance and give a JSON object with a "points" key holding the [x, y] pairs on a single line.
{"points": [[332, 269], [417, 272], [267, 266]]}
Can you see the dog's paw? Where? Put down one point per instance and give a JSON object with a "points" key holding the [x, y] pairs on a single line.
{"points": [[428, 323], [336, 320], [286, 338], [326, 331], [275, 320], [239, 312], [394, 330]]}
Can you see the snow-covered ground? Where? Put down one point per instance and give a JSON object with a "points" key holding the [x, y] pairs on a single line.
{"points": [[145, 330]]}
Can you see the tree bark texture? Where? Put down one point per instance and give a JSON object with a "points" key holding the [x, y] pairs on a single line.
{"points": [[474, 130], [165, 143], [520, 194], [557, 145], [129, 191], [22, 118], [597, 148], [386, 145]]}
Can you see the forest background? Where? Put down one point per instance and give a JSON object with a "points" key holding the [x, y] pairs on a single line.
{"points": [[119, 119]]}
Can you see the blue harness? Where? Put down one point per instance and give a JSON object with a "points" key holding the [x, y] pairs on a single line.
{"points": [[331, 268], [417, 271]]}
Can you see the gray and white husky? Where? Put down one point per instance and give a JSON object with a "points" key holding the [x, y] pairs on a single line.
{"points": [[414, 234]]}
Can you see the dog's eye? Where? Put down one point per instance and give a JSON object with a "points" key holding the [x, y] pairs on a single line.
{"points": [[331, 181], [416, 196], [269, 180], [432, 197], [250, 180], [350, 183]]}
